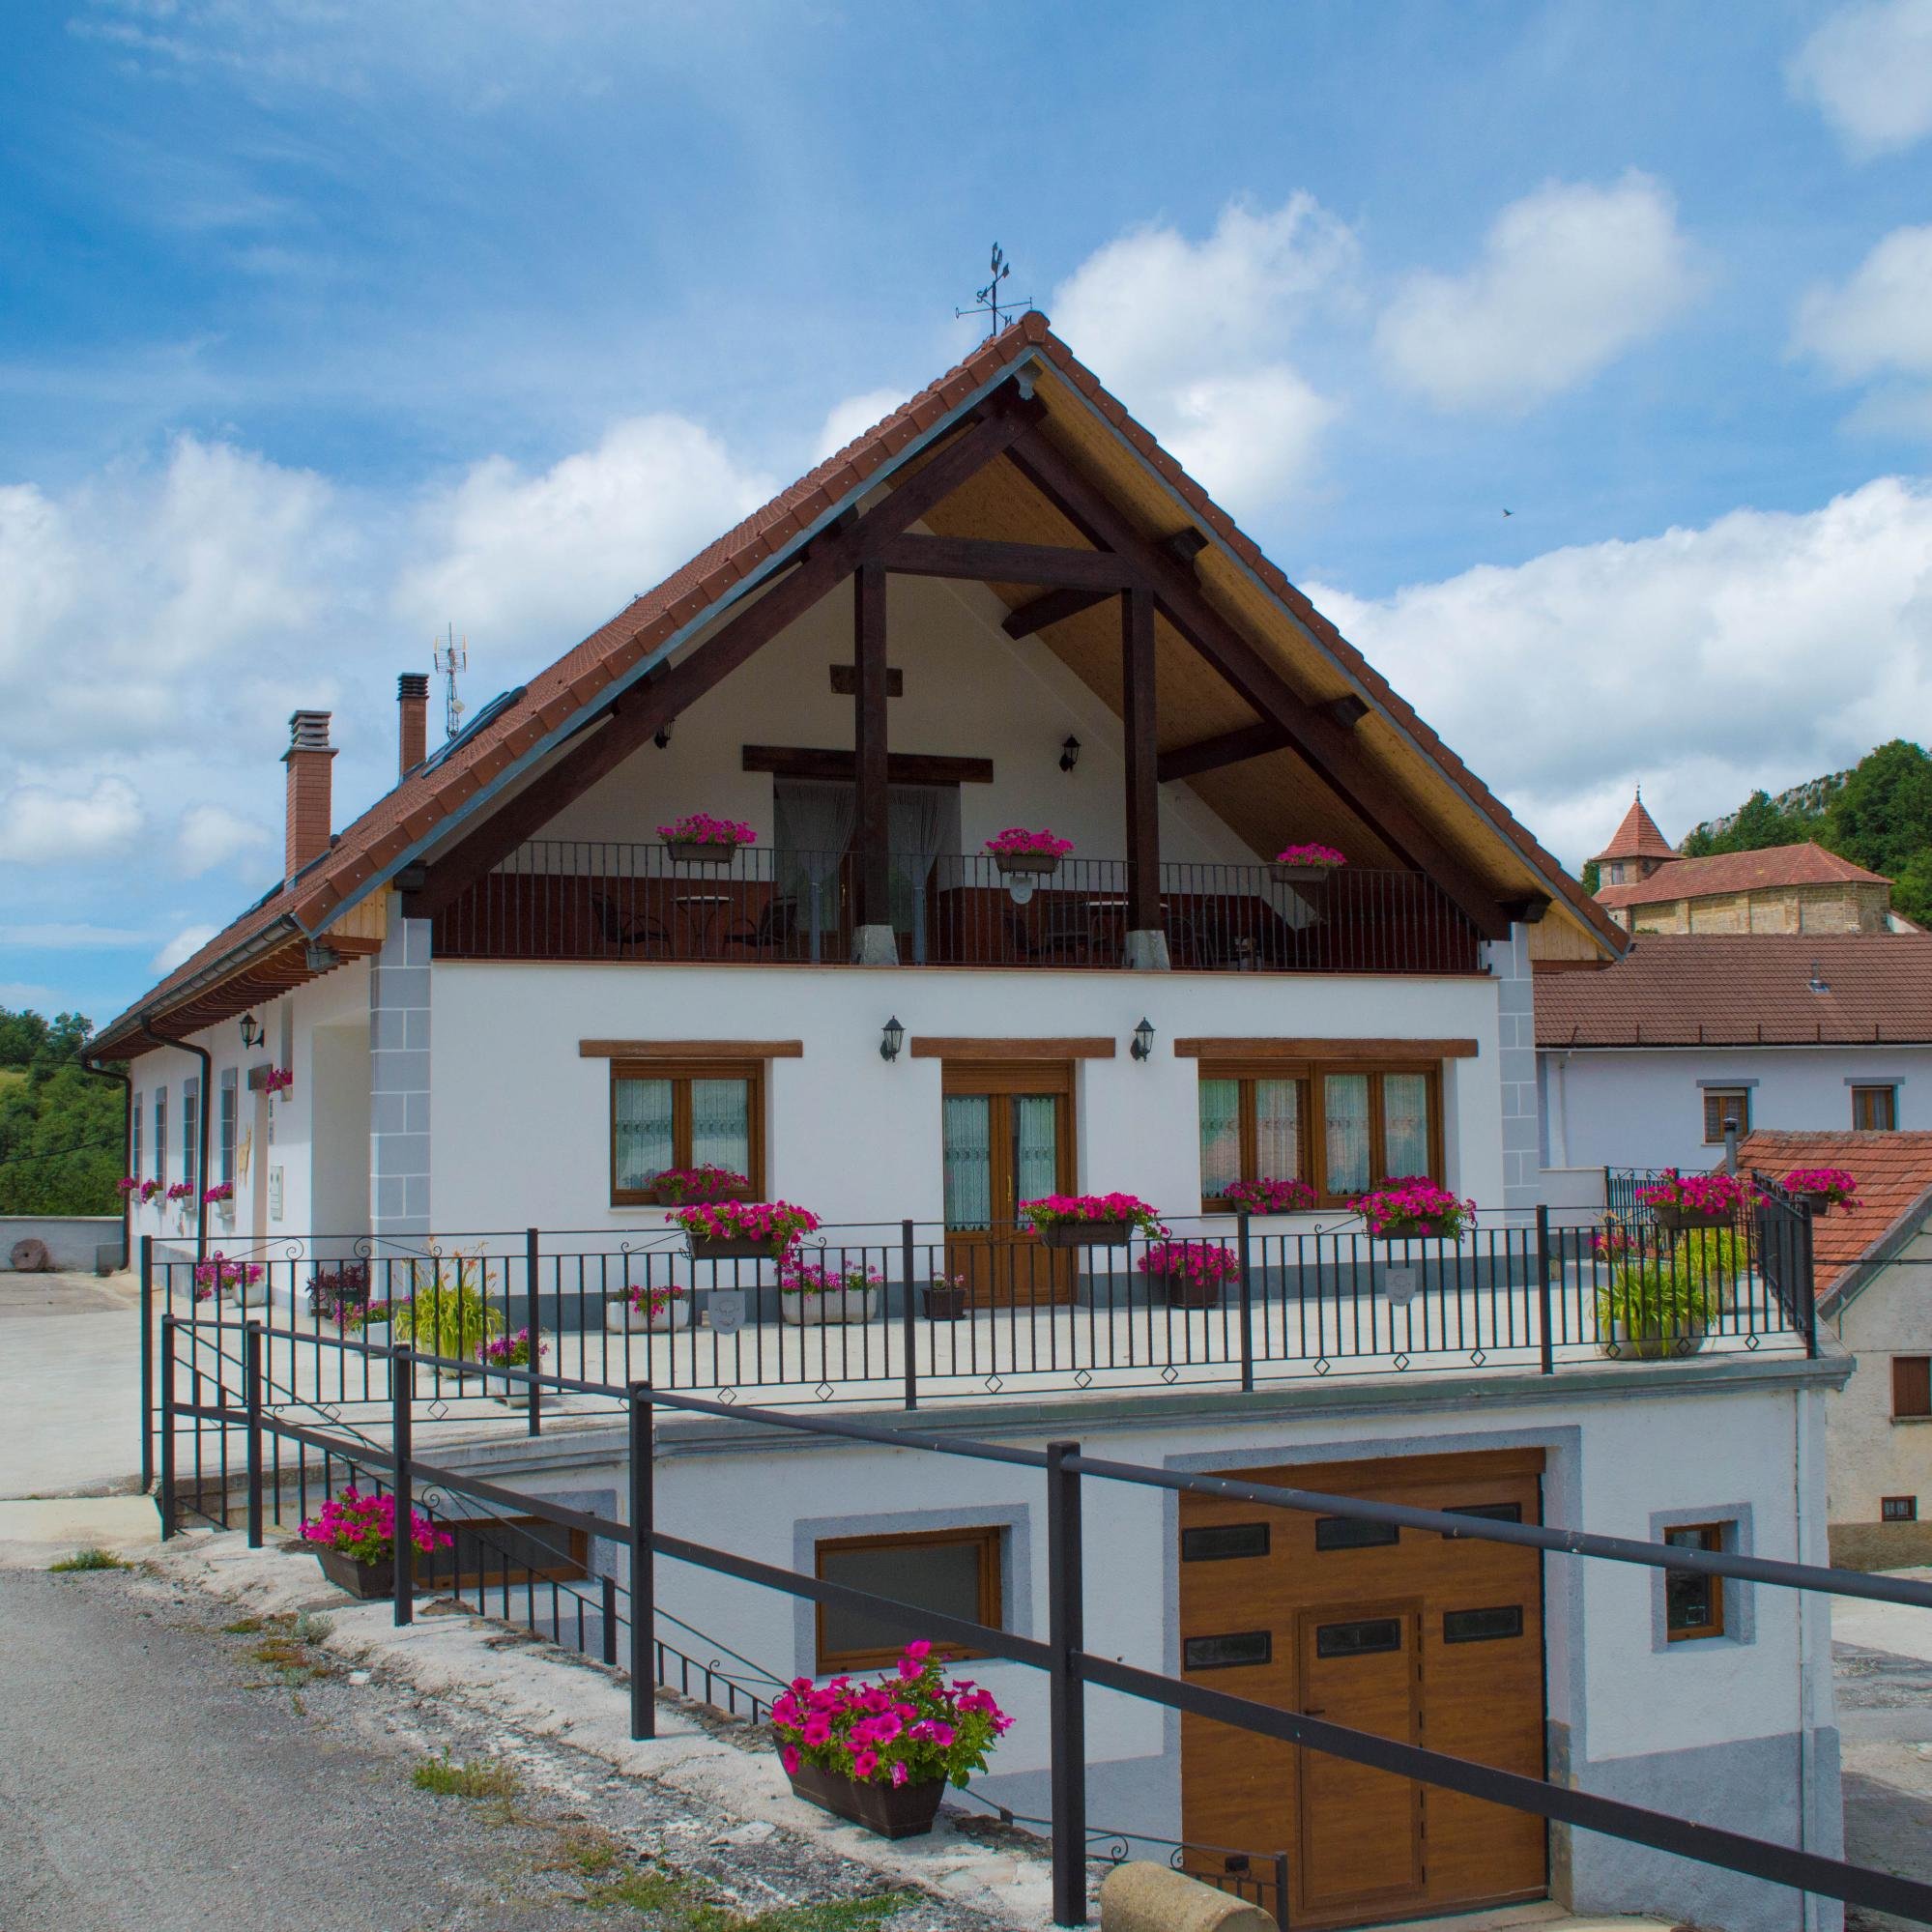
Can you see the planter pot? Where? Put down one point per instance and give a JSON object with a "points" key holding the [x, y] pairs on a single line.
{"points": [[1654, 1342], [945, 1303], [375, 1333], [371, 1581], [1085, 1234], [625, 1319], [1819, 1204], [1682, 1220], [1032, 865], [698, 851], [1307, 878], [907, 1812], [730, 1248], [250, 1294], [657, 1197], [1414, 1230], [1182, 1292], [842, 1306]]}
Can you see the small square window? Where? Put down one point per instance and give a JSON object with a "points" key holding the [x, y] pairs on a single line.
{"points": [[1898, 1508], [1912, 1385], [953, 1571], [1693, 1602], [1874, 1110], [1724, 1104]]}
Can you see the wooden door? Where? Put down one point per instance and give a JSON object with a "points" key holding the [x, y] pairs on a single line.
{"points": [[1007, 1137]]}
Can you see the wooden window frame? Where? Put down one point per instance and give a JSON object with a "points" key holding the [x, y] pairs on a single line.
{"points": [[681, 1073], [1898, 1508], [988, 1537], [1891, 1093], [1313, 1152], [1709, 1096], [1713, 1535], [1917, 1380]]}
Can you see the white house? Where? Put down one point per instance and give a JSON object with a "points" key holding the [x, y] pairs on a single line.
{"points": [[495, 1002]]}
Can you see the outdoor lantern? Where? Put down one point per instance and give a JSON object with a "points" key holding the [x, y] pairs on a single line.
{"points": [[661, 738], [252, 1030], [891, 1039], [1070, 753], [1143, 1040]]}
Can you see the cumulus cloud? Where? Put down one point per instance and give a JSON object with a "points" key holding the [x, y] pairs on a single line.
{"points": [[1868, 69], [1570, 278], [185, 944], [211, 835], [1879, 322], [1759, 649], [853, 418], [1196, 334], [43, 826]]}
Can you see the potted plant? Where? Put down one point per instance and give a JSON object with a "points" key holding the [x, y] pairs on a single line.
{"points": [[521, 1350], [1412, 1207], [1191, 1273], [332, 1292], [1653, 1305], [450, 1317], [149, 1190], [657, 1309], [812, 1293], [882, 1754], [946, 1298], [370, 1323], [221, 1198], [179, 1197], [354, 1536], [743, 1230], [675, 1185], [239, 1281], [1089, 1220], [127, 1187], [278, 1082], [1822, 1189], [698, 839], [1268, 1197], [1681, 1201], [1306, 865], [1018, 851]]}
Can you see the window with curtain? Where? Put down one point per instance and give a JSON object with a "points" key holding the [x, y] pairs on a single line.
{"points": [[1340, 1129], [680, 1115], [1875, 1110], [813, 827], [1723, 1103], [191, 1133], [161, 1135], [230, 1112]]}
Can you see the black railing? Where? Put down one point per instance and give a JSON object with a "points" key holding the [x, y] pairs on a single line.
{"points": [[1071, 1669], [585, 899]]}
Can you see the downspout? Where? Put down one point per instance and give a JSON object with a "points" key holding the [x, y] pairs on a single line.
{"points": [[127, 1084], [1807, 1770], [201, 1131]]}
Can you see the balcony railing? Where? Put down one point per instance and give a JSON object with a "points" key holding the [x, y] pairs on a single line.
{"points": [[588, 900]]}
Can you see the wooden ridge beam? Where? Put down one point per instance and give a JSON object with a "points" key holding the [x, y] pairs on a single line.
{"points": [[1190, 761], [840, 767], [987, 560], [1050, 609], [648, 705]]}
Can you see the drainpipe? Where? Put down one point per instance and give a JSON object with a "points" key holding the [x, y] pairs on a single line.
{"points": [[201, 1131], [125, 1082]]}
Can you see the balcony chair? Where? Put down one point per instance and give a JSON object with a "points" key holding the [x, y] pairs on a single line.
{"points": [[775, 930], [624, 930], [1066, 931]]}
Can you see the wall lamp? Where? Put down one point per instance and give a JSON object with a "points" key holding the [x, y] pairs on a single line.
{"points": [[1144, 1041], [891, 1039], [1069, 752], [661, 736], [252, 1030]]}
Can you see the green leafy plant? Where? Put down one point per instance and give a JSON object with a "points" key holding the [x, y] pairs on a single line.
{"points": [[450, 1317], [1653, 1304], [475, 1777], [89, 1559]]}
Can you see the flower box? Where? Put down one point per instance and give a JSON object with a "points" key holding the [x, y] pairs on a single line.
{"points": [[1306, 865], [700, 839], [947, 1302], [1184, 1291], [701, 852], [1416, 1231], [1039, 865], [1684, 1219], [730, 1248], [1818, 1199], [1303, 876], [812, 1309], [1085, 1233], [354, 1538], [743, 1230], [890, 1811], [371, 1581]]}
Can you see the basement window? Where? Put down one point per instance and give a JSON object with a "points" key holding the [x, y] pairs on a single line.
{"points": [[1693, 1602], [956, 1572], [1898, 1508]]}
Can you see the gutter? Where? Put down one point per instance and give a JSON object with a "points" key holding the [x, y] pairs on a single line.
{"points": [[277, 933], [201, 1132]]}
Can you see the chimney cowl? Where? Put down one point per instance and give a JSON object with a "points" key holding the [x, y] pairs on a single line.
{"points": [[308, 730], [411, 720], [305, 835]]}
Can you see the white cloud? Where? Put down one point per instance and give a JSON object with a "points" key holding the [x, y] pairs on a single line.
{"points": [[185, 944], [1194, 335], [75, 935], [1760, 650], [211, 835], [853, 418], [41, 826], [1570, 278], [1869, 70], [1879, 321]]}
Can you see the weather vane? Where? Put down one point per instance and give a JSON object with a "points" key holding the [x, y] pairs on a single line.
{"points": [[988, 298]]}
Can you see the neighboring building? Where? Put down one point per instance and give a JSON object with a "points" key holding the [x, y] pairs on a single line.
{"points": [[1647, 886], [1642, 1063], [1874, 1277], [502, 1003]]}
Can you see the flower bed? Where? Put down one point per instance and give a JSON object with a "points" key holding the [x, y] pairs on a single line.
{"points": [[1089, 1220], [812, 1292], [1017, 850], [699, 836], [1825, 1188], [355, 1538], [732, 1230], [1411, 1207], [1193, 1273], [882, 1754], [675, 1185], [1267, 1197], [1679, 1202]]}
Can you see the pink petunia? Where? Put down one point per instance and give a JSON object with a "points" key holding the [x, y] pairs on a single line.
{"points": [[789, 1757], [899, 1772], [818, 1729], [864, 1764]]}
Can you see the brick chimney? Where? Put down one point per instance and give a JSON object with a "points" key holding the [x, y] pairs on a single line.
{"points": [[308, 759], [412, 707]]}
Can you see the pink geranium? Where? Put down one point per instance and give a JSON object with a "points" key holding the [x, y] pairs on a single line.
{"points": [[1016, 842], [1059, 1209], [1697, 1193], [1204, 1264], [699, 828], [1266, 1197], [1413, 1204], [365, 1527], [1834, 1185], [1325, 857], [774, 1225]]}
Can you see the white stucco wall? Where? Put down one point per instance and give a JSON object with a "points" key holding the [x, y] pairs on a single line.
{"points": [[1872, 1454], [1632, 1108]]}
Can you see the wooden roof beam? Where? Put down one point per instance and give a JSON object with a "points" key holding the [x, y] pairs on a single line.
{"points": [[1050, 609], [985, 561], [1190, 761]]}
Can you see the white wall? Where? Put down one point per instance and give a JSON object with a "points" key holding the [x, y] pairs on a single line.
{"points": [[518, 1116], [1633, 1108], [1872, 1454]]}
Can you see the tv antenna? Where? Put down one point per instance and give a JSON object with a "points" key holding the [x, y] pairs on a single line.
{"points": [[450, 656], [988, 298]]}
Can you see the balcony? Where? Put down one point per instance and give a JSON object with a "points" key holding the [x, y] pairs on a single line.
{"points": [[586, 900]]}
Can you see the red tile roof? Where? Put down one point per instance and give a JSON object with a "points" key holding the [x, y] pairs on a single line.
{"points": [[1774, 866], [1734, 989], [1638, 837], [1894, 1176], [374, 843]]}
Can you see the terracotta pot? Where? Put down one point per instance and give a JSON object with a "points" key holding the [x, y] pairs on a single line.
{"points": [[1040, 865], [730, 1248], [945, 1303], [813, 1309], [370, 1581], [1183, 1292], [698, 851], [905, 1812], [1307, 878], [1085, 1234], [1682, 1219]]}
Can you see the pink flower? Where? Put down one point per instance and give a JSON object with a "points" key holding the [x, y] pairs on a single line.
{"points": [[818, 1729], [1322, 855], [864, 1764], [1016, 842], [921, 1648], [699, 828], [789, 1757], [899, 1773], [884, 1729]]}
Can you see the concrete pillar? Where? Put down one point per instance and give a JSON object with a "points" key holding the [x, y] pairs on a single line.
{"points": [[1509, 960], [399, 988]]}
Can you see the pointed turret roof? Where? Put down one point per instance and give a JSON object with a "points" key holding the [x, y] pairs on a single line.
{"points": [[1638, 837]]}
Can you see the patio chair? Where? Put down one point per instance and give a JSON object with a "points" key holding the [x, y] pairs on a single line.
{"points": [[1066, 930], [775, 930], [624, 930]]}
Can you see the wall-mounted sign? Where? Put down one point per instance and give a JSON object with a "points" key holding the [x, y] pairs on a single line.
{"points": [[276, 1193], [725, 1311]]}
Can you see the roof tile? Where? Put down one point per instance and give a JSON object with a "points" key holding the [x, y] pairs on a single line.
{"points": [[1894, 1176], [1764, 869]]}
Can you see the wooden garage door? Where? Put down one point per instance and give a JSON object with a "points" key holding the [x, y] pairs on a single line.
{"points": [[1433, 1640]]}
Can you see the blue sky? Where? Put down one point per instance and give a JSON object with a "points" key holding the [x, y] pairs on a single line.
{"points": [[327, 323]]}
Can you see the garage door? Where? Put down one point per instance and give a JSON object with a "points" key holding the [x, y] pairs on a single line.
{"points": [[1429, 1639]]}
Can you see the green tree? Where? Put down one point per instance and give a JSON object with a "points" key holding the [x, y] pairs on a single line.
{"points": [[61, 1127], [1593, 877], [1759, 823], [1882, 816]]}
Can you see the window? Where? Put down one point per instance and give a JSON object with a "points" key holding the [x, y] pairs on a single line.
{"points": [[161, 1135], [954, 1572], [1693, 1603], [191, 1133], [1339, 1129], [688, 1115], [135, 1124], [1222, 1542], [1229, 1652], [1481, 1626], [1912, 1385], [1723, 1103], [1874, 1110], [1898, 1508], [1353, 1533], [230, 1108]]}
